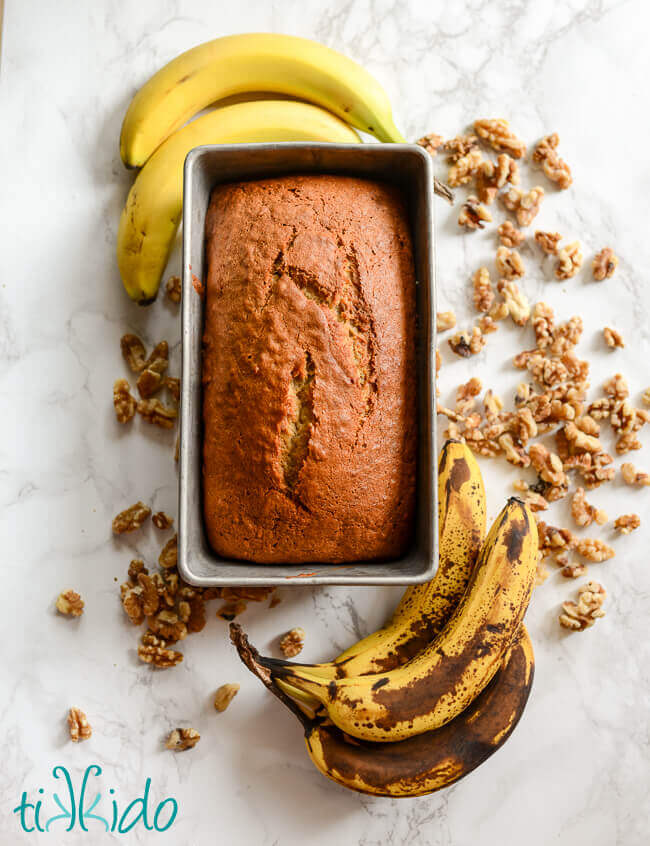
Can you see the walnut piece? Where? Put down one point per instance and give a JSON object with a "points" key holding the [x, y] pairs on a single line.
{"points": [[173, 289], [229, 610], [133, 352], [70, 604], [632, 476], [173, 385], [548, 241], [483, 293], [169, 554], [555, 168], [509, 263], [593, 549], [78, 725], [612, 338], [445, 320], [548, 465], [162, 520], [465, 395], [125, 404], [579, 440], [181, 739], [627, 523], [158, 655], [291, 644], [616, 387], [465, 344], [150, 379], [604, 264], [156, 413], [497, 133], [131, 518], [509, 235], [225, 695], [473, 215], [517, 302], [572, 569], [431, 143], [579, 616], [583, 513], [487, 325], [464, 168], [514, 454], [569, 261], [491, 177]]}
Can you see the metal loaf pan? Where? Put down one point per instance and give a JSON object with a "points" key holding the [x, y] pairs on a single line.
{"points": [[410, 168]]}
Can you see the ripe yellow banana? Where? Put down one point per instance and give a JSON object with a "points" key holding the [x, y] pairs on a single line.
{"points": [[252, 62], [429, 761], [425, 609], [154, 206], [442, 680]]}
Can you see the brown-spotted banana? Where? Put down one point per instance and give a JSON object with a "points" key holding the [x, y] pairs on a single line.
{"points": [[424, 609], [437, 684], [154, 205], [427, 762]]}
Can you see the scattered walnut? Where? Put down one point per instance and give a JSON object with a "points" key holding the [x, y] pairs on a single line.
{"points": [[131, 518], [509, 263], [627, 523], [445, 320], [473, 215], [569, 261], [465, 344], [593, 549], [291, 644], [70, 604], [514, 454], [583, 513], [491, 177], [487, 325], [156, 413], [579, 440], [169, 553], [535, 501], [78, 725], [124, 403], [548, 464], [162, 520], [464, 168], [173, 289], [585, 612], [632, 476], [492, 404], [573, 569], [612, 338], [616, 387], [181, 739], [497, 133], [588, 425], [466, 393], [460, 146], [150, 379], [555, 168], [509, 235], [225, 695], [548, 241], [167, 625], [483, 293], [133, 352], [529, 204], [604, 264], [517, 302], [499, 311], [158, 655]]}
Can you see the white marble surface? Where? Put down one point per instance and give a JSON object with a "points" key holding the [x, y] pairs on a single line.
{"points": [[576, 770]]}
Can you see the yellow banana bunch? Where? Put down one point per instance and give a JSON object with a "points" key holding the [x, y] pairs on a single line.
{"points": [[424, 609], [424, 763], [438, 683], [154, 206], [254, 62]]}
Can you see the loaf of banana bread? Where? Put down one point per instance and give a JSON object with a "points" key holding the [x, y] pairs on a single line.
{"points": [[309, 377]]}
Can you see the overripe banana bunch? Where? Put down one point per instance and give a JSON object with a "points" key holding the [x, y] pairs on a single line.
{"points": [[477, 631], [424, 609], [239, 64], [439, 682], [424, 763]]}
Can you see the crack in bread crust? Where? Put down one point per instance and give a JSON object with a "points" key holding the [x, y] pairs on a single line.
{"points": [[295, 441]]}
